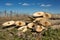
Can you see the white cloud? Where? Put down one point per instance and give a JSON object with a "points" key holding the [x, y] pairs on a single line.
{"points": [[8, 4], [46, 5], [25, 4], [49, 5], [42, 5], [19, 3]]}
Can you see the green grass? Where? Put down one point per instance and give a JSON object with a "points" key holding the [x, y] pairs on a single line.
{"points": [[51, 34], [12, 35]]}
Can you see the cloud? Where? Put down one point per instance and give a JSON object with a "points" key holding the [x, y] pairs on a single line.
{"points": [[19, 3], [25, 4], [8, 4], [42, 5], [45, 5], [49, 5]]}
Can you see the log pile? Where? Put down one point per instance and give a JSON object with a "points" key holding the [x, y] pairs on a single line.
{"points": [[39, 23]]}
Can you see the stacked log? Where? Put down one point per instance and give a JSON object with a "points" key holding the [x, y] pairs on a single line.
{"points": [[38, 24]]}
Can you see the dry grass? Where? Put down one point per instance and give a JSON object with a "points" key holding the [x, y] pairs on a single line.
{"points": [[55, 16], [55, 22]]}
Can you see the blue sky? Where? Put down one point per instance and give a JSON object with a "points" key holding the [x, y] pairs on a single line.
{"points": [[30, 6]]}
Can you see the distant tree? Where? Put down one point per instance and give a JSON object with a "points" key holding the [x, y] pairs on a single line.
{"points": [[11, 12], [0, 13], [5, 13]]}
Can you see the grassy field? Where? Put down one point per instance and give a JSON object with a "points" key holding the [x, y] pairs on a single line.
{"points": [[16, 35]]}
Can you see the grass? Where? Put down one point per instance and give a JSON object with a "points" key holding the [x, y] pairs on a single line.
{"points": [[51, 34], [12, 35]]}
